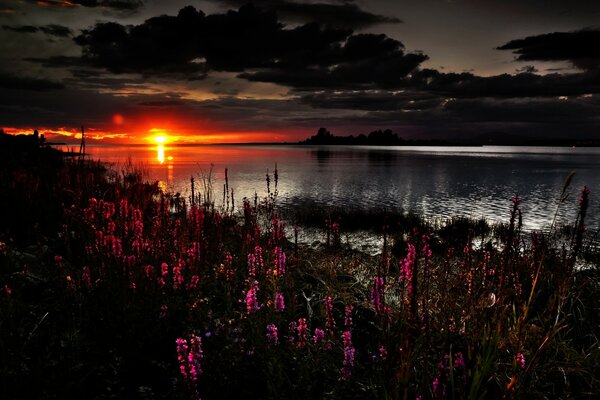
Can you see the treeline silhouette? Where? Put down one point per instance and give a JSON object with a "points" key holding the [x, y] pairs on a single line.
{"points": [[375, 138]]}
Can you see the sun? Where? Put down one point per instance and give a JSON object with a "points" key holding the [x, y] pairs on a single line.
{"points": [[159, 136], [160, 139]]}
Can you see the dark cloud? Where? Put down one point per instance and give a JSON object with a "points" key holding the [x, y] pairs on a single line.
{"points": [[21, 29], [339, 13], [9, 81], [52, 29], [580, 48], [56, 30], [505, 85], [373, 100], [122, 5], [161, 103], [250, 41]]}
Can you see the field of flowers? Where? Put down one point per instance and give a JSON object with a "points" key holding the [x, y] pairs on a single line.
{"points": [[127, 292]]}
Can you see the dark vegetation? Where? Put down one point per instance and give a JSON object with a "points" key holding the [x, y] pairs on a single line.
{"points": [[375, 138], [111, 289]]}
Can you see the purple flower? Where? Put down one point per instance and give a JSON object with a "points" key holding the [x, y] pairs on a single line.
{"points": [[318, 336], [279, 302], [272, 337], [349, 351]]}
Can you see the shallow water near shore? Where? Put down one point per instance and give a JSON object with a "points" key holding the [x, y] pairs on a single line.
{"points": [[437, 182]]}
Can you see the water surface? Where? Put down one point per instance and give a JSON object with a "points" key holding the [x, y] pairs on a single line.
{"points": [[435, 181]]}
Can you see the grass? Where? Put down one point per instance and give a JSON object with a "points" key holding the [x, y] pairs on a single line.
{"points": [[111, 289]]}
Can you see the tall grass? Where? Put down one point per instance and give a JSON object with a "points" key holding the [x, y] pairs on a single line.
{"points": [[135, 293]]}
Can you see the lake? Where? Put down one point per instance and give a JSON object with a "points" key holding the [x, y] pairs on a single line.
{"points": [[433, 181]]}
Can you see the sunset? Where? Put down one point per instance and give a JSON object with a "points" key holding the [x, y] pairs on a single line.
{"points": [[300, 199], [276, 71]]}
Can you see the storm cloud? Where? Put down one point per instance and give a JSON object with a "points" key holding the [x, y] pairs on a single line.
{"points": [[253, 42], [52, 29], [337, 13], [123, 5], [580, 48]]}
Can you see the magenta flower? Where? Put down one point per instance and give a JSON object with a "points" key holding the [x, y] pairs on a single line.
{"points": [[349, 352], [272, 337], [86, 279], [163, 311], [377, 295], [189, 358], [407, 267], [280, 259], [251, 298], [318, 336], [279, 302], [302, 329], [330, 321], [177, 277], [194, 282], [348, 318], [520, 360]]}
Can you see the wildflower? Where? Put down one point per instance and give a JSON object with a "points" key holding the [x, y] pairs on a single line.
{"points": [[349, 351], [148, 271], [302, 328], [318, 336], [520, 359], [251, 298], [272, 334], [8, 290], [177, 276], [459, 367], [280, 259], [255, 261], [330, 322], [194, 282], [348, 318], [189, 358], [292, 330], [407, 266], [163, 311], [86, 279], [383, 352], [377, 295], [279, 302]]}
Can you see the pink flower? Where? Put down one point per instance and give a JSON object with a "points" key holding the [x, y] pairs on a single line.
{"points": [[318, 336], [302, 329], [163, 311], [272, 337], [348, 318], [86, 279], [520, 360], [251, 298], [377, 295], [349, 352], [279, 302]]}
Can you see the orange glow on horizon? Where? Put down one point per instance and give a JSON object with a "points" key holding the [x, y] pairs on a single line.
{"points": [[171, 136]]}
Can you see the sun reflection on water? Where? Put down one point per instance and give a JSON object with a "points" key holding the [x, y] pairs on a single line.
{"points": [[160, 153]]}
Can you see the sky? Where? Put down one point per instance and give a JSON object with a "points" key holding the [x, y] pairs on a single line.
{"points": [[278, 70]]}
